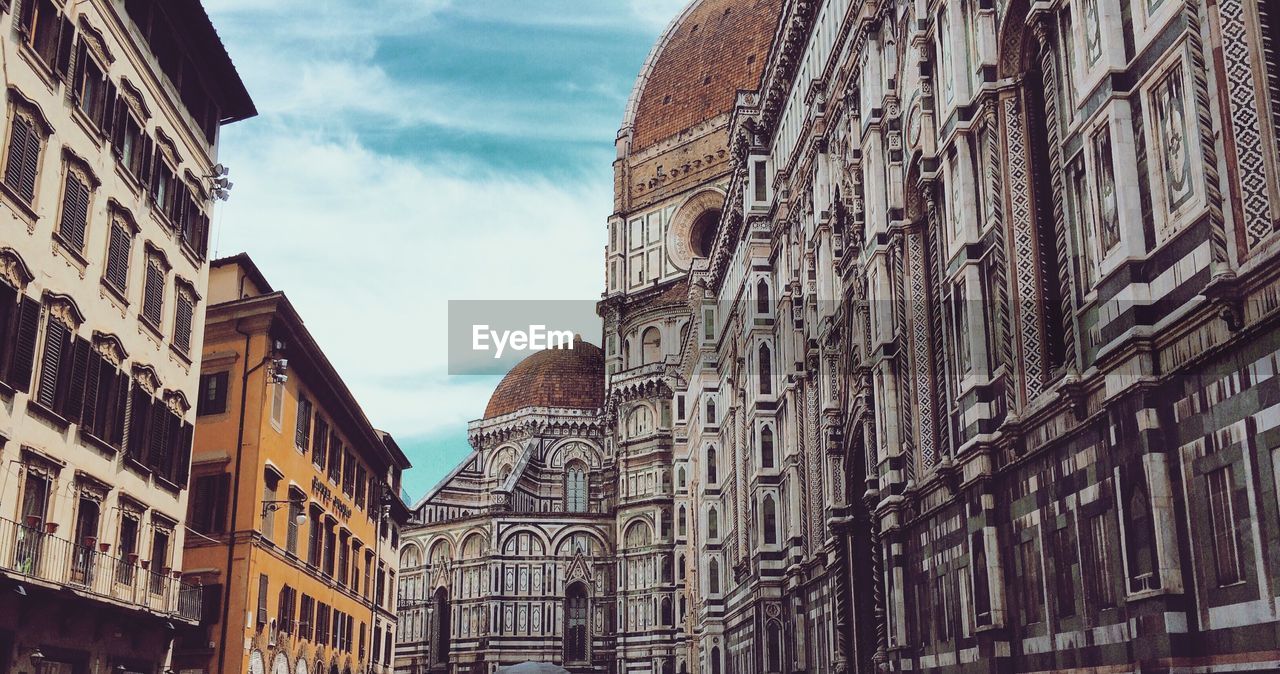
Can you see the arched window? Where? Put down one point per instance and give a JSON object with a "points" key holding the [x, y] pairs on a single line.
{"points": [[770, 509], [668, 572], [576, 635], [712, 469], [638, 534], [410, 557], [504, 473], [713, 576], [666, 522], [626, 353], [711, 410], [575, 487], [766, 370], [651, 345], [762, 297], [773, 642], [713, 523], [683, 523], [766, 447], [681, 479], [667, 618]]}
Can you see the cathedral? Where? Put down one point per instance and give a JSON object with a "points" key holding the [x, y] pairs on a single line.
{"points": [[939, 335]]}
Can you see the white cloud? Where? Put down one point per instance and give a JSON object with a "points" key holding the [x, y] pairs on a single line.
{"points": [[370, 248]]}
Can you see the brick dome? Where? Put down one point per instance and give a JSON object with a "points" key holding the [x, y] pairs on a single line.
{"points": [[694, 72], [564, 378]]}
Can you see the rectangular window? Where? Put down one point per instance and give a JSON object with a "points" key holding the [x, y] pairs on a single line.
{"points": [[127, 550], [314, 541], [320, 443], [758, 178], [330, 548], [267, 526], [1064, 548], [306, 614], [344, 560], [277, 404], [163, 185], [153, 293], [208, 506], [74, 223], [302, 429], [159, 560], [348, 473], [263, 586], [26, 141], [362, 485], [1108, 209], [1098, 561], [335, 458], [1226, 549], [42, 28], [295, 510], [91, 86], [213, 393], [1032, 589]]}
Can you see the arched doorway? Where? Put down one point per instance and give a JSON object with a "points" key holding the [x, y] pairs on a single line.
{"points": [[440, 622], [577, 636]]}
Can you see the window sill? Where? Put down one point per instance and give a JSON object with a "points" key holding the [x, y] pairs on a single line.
{"points": [[75, 259], [86, 123], [7, 391], [190, 253], [115, 294], [135, 464], [184, 356], [19, 206], [152, 328], [39, 409], [127, 175], [98, 442], [167, 483], [37, 63], [158, 214]]}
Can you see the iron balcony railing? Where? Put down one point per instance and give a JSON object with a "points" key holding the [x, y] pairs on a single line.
{"points": [[33, 552]]}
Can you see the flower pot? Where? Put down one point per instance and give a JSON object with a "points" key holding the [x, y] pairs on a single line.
{"points": [[33, 522], [51, 527], [176, 574], [133, 558], [104, 548], [146, 564], [89, 542]]}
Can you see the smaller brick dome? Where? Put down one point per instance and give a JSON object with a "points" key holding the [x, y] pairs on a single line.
{"points": [[564, 378]]}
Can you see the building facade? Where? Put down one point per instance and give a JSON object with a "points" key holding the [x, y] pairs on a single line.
{"points": [[939, 336], [294, 502], [112, 112]]}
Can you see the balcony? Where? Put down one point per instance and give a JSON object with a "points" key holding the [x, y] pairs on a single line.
{"points": [[29, 553]]}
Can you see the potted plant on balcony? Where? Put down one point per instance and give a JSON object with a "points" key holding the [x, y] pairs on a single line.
{"points": [[33, 522], [133, 558], [89, 541], [51, 528], [176, 574], [104, 548], [146, 564]]}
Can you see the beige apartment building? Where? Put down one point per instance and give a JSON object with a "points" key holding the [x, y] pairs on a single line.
{"points": [[112, 111]]}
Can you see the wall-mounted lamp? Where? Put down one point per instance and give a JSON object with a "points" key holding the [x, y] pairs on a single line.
{"points": [[218, 183], [36, 657], [272, 506]]}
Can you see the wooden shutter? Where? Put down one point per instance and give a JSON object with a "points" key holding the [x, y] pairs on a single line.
{"points": [[26, 16], [118, 122], [73, 403], [302, 432], [8, 315], [117, 272], [157, 438], [182, 462], [18, 132], [153, 294], [74, 90], [146, 151], [109, 109], [262, 599], [118, 411], [88, 413], [139, 421], [31, 164], [25, 330], [50, 362], [66, 40], [221, 492], [75, 212], [182, 323]]}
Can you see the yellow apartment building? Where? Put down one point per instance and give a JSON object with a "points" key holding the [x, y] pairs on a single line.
{"points": [[293, 497]]}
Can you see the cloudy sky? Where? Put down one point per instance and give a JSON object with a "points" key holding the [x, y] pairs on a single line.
{"points": [[412, 152]]}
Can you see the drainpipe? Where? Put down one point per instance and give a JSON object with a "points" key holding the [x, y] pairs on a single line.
{"points": [[235, 494]]}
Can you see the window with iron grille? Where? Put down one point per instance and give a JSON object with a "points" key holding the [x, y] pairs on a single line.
{"points": [[74, 221], [119, 246], [22, 165], [153, 292]]}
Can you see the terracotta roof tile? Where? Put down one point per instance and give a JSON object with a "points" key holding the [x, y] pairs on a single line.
{"points": [[566, 378]]}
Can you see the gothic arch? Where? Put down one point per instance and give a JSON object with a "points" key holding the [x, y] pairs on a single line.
{"points": [[410, 555], [474, 544], [537, 539], [573, 448], [504, 455], [638, 532], [441, 547]]}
